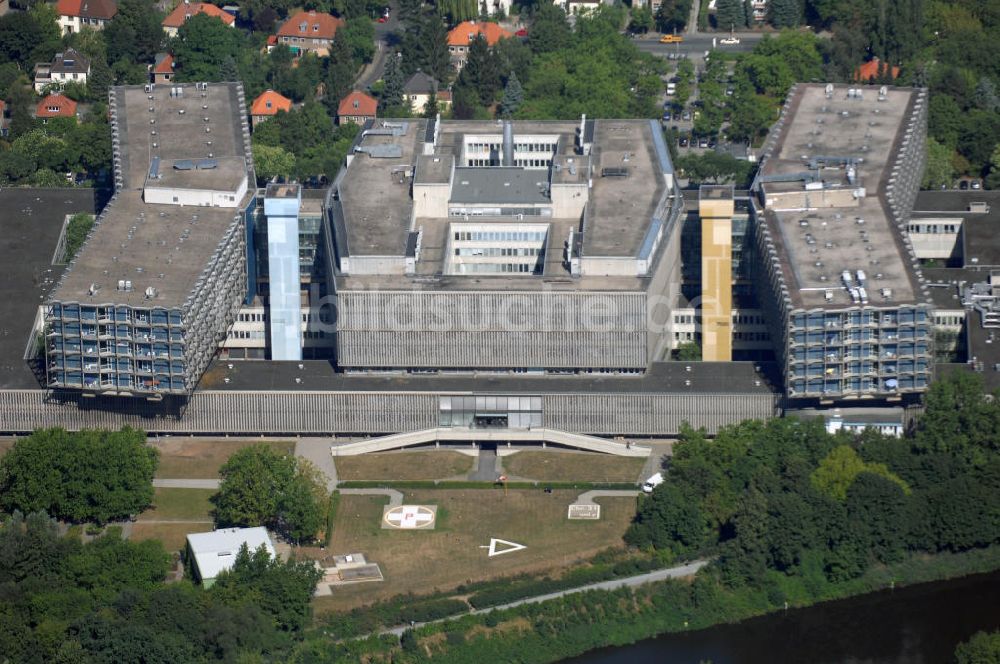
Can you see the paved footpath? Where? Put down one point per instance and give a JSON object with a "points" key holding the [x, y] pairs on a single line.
{"points": [[678, 572], [317, 450], [587, 498], [395, 497], [186, 484]]}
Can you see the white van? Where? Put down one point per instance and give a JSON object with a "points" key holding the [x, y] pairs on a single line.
{"points": [[653, 482]]}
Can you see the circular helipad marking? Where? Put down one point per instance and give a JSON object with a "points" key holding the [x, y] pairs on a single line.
{"points": [[409, 517]]}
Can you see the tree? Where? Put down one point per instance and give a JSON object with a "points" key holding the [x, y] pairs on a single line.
{"points": [[513, 95], [91, 475], [272, 161], [993, 178], [360, 38], [480, 72], [205, 48], [982, 648], [135, 33], [340, 73], [938, 169], [283, 590], [425, 47], [549, 29], [837, 472], [640, 20], [784, 13], [688, 352], [668, 520], [25, 39], [672, 15], [263, 487], [730, 14], [392, 93]]}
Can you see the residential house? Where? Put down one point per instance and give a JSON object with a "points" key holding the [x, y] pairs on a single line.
{"points": [[356, 107], [266, 105], [186, 10], [417, 91], [68, 66], [163, 68], [460, 38], [215, 552], [309, 31], [55, 106], [74, 15], [872, 70]]}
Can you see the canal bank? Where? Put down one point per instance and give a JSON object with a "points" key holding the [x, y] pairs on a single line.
{"points": [[920, 624]]}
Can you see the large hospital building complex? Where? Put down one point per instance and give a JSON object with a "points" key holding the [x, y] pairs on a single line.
{"points": [[525, 275]]}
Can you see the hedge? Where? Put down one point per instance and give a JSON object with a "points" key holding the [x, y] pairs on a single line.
{"points": [[434, 484]]}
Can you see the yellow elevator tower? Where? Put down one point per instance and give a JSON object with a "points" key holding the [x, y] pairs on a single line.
{"points": [[716, 208]]}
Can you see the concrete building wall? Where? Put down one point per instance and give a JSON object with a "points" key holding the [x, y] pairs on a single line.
{"points": [[492, 329], [325, 413], [198, 197], [716, 279]]}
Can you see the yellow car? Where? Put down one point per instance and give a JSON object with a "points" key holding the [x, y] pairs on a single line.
{"points": [[671, 39]]}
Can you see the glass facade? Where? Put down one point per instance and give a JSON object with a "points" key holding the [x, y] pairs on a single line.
{"points": [[491, 412], [116, 348], [866, 351]]}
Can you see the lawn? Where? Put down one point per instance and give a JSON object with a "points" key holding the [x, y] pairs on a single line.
{"points": [[5, 445], [180, 505], [572, 466], [436, 465], [173, 535], [186, 458], [422, 561]]}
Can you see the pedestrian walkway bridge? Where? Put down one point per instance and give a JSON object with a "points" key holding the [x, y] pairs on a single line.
{"points": [[492, 437]]}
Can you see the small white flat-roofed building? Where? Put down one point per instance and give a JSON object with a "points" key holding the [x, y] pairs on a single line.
{"points": [[215, 552]]}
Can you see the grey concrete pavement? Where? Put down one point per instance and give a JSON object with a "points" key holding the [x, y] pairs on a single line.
{"points": [[317, 450], [186, 484], [588, 497], [678, 572], [395, 497], [486, 468], [654, 463]]}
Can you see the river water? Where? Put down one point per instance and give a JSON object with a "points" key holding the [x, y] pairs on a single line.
{"points": [[916, 625]]}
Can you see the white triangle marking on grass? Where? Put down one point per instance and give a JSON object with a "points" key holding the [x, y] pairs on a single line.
{"points": [[511, 547]]}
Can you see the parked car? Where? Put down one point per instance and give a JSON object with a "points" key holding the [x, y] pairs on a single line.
{"points": [[964, 185], [671, 39], [976, 184], [683, 142], [686, 116], [703, 143]]}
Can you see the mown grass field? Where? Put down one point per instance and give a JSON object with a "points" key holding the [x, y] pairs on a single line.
{"points": [[572, 466], [185, 458], [430, 465], [423, 561], [180, 505]]}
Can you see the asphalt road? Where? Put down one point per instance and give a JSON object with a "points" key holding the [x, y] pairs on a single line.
{"points": [[695, 45], [385, 34]]}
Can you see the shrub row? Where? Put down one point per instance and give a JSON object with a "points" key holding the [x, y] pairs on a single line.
{"points": [[434, 484], [398, 610], [511, 591]]}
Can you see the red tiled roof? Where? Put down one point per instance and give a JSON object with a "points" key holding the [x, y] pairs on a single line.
{"points": [[272, 40], [184, 11], [165, 66], [357, 103], [872, 69], [270, 102], [463, 33], [102, 9], [65, 107], [315, 25]]}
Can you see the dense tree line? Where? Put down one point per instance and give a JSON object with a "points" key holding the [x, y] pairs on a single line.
{"points": [[789, 497], [91, 475], [107, 601]]}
